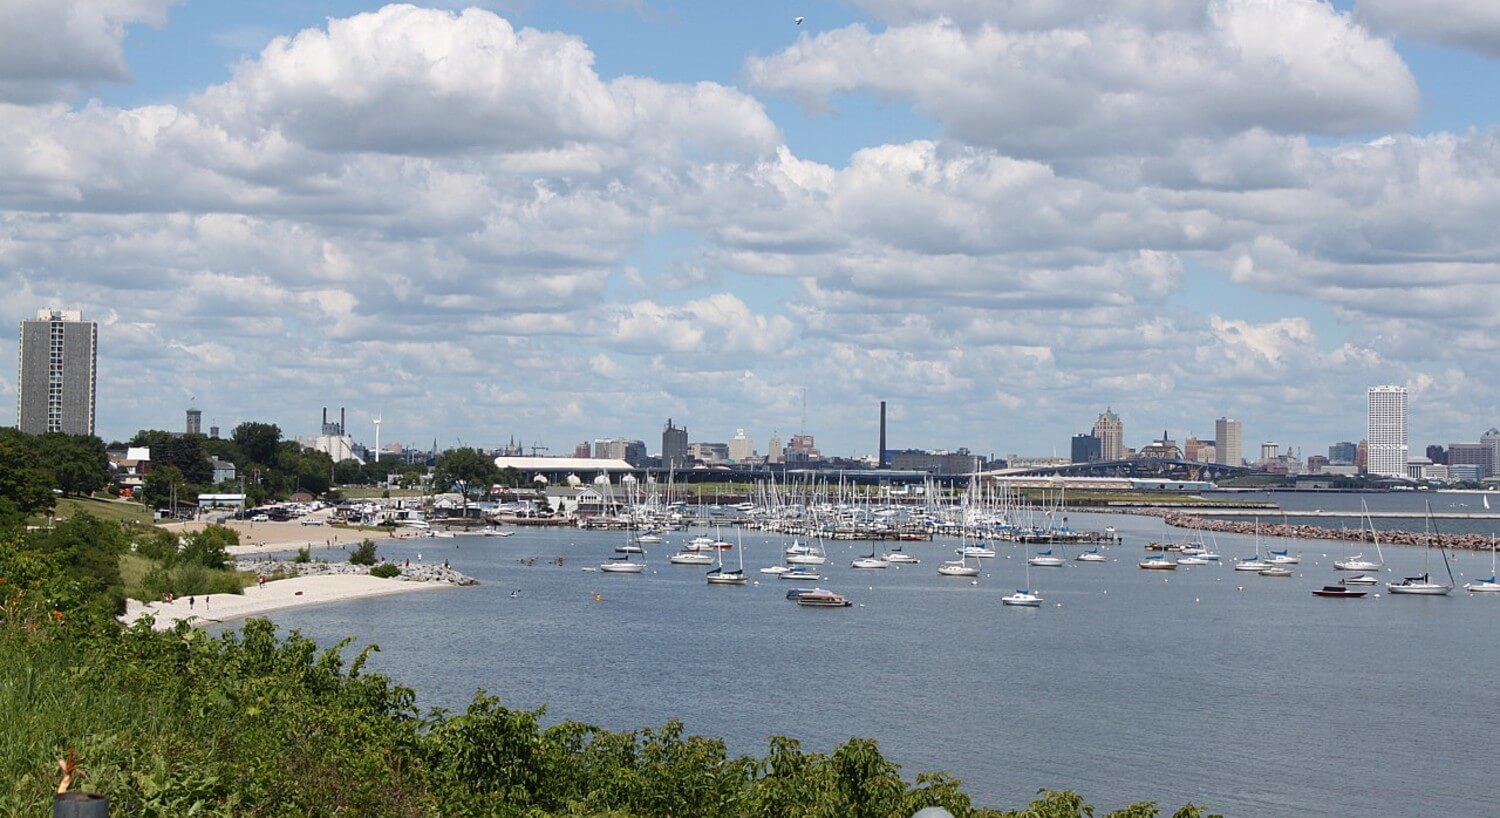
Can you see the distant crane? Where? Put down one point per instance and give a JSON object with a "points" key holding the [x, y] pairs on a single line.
{"points": [[537, 446]]}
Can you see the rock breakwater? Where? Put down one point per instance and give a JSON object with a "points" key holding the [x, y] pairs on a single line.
{"points": [[413, 572]]}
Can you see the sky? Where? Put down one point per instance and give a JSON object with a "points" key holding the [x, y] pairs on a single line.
{"points": [[558, 221]]}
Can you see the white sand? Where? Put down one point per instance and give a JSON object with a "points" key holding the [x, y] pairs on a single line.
{"points": [[266, 538], [297, 592]]}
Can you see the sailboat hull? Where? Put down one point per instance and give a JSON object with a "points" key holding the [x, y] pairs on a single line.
{"points": [[622, 567], [1418, 589]]}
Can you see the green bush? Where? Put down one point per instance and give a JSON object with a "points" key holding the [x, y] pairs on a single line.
{"points": [[364, 554], [209, 547], [385, 570], [304, 554]]}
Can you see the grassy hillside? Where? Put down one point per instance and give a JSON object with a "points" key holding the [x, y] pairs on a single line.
{"points": [[118, 510]]}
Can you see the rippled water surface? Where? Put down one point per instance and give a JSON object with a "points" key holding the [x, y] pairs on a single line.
{"points": [[1242, 693]]}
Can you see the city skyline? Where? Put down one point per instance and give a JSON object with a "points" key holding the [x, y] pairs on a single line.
{"points": [[707, 212]]}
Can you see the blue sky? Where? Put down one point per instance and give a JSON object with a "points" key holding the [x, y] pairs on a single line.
{"points": [[568, 220]]}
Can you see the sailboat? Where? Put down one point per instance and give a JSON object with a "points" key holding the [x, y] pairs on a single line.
{"points": [[624, 565], [1024, 597], [896, 555], [870, 560], [1254, 563], [1358, 561], [1044, 559], [1489, 583], [719, 576], [1423, 585], [960, 567], [1091, 555]]}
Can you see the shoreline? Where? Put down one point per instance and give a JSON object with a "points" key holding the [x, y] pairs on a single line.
{"points": [[279, 595]]}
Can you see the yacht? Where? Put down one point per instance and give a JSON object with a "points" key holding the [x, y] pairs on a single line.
{"points": [[1254, 563], [1283, 558], [1023, 598], [1423, 585], [977, 551], [1091, 555], [1358, 561], [1488, 583], [723, 576], [700, 543], [958, 568], [822, 599], [1045, 559], [622, 565], [896, 556], [809, 555], [1157, 563], [869, 562], [1191, 559], [775, 569], [690, 558]]}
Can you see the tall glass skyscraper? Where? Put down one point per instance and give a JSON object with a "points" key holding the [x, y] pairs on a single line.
{"points": [[55, 390], [1387, 431]]}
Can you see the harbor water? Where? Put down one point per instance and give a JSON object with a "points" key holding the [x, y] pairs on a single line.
{"points": [[1241, 693]]}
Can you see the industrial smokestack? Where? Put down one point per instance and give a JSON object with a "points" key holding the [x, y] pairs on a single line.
{"points": [[881, 455], [341, 420], [323, 430]]}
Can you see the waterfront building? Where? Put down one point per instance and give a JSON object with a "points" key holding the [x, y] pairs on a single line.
{"points": [[939, 462], [741, 447], [1465, 471], [674, 446], [1342, 453], [1491, 441], [1471, 454], [1387, 414], [1111, 433], [55, 390], [1086, 448], [194, 422], [775, 452], [1229, 437]]}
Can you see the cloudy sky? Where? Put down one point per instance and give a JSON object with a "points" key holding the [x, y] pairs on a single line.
{"points": [[575, 219]]}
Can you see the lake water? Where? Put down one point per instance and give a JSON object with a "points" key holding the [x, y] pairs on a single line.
{"points": [[1242, 693]]}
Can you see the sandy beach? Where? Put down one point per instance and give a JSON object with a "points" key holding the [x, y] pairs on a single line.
{"points": [[267, 538], [296, 592]]}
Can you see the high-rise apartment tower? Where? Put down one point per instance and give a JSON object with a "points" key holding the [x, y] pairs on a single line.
{"points": [[55, 390], [1387, 431], [1229, 440]]}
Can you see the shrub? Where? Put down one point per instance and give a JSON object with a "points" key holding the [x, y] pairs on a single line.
{"points": [[364, 554], [304, 554], [385, 570]]}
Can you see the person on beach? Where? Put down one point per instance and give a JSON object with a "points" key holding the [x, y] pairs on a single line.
{"points": [[262, 581], [190, 603]]}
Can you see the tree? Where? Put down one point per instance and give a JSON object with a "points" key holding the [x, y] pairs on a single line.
{"points": [[158, 487], [466, 470], [79, 463], [185, 452], [364, 554], [209, 547], [259, 441], [24, 481]]}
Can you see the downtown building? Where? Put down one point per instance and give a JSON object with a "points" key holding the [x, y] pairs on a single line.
{"points": [[1229, 442], [55, 390], [1111, 433], [1387, 416], [674, 446]]}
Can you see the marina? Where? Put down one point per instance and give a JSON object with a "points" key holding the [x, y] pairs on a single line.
{"points": [[1081, 675]]}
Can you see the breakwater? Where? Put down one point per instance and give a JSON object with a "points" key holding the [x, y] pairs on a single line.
{"points": [[410, 571], [1178, 519]]}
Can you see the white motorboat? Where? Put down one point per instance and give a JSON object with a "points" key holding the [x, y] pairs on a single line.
{"points": [[699, 544], [1045, 559], [690, 558], [1022, 598], [1362, 579], [649, 538], [1251, 564], [1091, 555]]}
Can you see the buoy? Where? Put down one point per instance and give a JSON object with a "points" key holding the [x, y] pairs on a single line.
{"points": [[1196, 599], [598, 597]]}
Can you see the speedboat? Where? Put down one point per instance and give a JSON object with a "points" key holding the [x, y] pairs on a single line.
{"points": [[1157, 564], [1362, 579], [1275, 571], [822, 599], [869, 562], [1339, 591], [1044, 559], [1022, 598], [1091, 555], [690, 558]]}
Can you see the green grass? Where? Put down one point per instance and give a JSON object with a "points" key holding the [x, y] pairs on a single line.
{"points": [[105, 509]]}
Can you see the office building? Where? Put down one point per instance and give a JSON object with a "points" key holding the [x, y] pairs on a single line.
{"points": [[1111, 433], [710, 453], [674, 446], [1229, 439], [1085, 448], [802, 449], [1269, 451], [1471, 454], [741, 447], [1193, 448], [1342, 453], [959, 462], [775, 452], [1491, 441], [1387, 412], [55, 388]]}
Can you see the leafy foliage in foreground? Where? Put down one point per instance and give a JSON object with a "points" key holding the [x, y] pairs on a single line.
{"points": [[256, 724]]}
